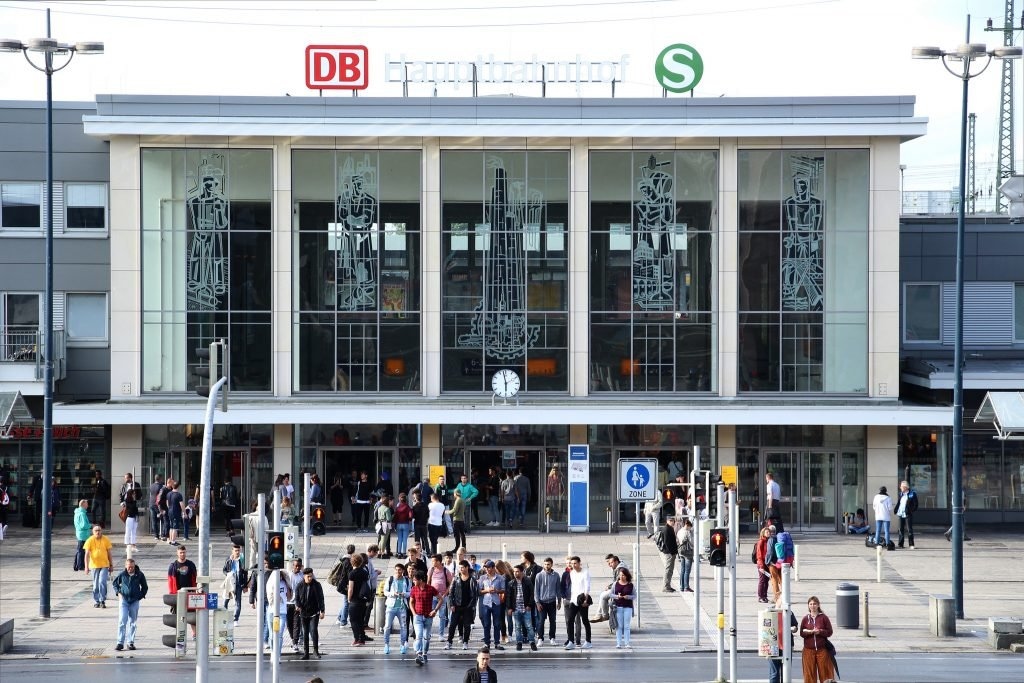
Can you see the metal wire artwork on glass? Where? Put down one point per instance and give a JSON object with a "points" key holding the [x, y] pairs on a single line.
{"points": [[803, 269], [207, 263], [354, 236], [653, 261], [499, 324]]}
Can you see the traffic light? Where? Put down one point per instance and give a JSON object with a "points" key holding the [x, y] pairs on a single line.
{"points": [[275, 549], [212, 358], [318, 520], [237, 533], [718, 555]]}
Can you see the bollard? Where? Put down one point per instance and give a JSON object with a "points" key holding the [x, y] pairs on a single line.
{"points": [[867, 632], [878, 563], [608, 515], [504, 552], [568, 553], [796, 561], [547, 519]]}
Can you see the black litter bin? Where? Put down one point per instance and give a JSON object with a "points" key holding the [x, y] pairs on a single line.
{"points": [[847, 605]]}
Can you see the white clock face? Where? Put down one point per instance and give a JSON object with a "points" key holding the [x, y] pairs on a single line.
{"points": [[505, 383]]}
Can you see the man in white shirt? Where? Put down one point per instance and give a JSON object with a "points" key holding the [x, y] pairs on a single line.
{"points": [[773, 500], [579, 592], [435, 522]]}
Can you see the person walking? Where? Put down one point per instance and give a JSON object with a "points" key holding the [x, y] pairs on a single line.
{"points": [[625, 595], [508, 499], [665, 539], [83, 530], [100, 499], [424, 602], [482, 672], [524, 491], [175, 512], [520, 603], [310, 609], [816, 629], [470, 495], [458, 514], [420, 522], [337, 497], [403, 524], [579, 604], [882, 505], [383, 518], [773, 501], [360, 592], [396, 597], [684, 541], [652, 515], [492, 588], [131, 588], [435, 523], [155, 518], [291, 611], [238, 578], [494, 496], [462, 597], [546, 591], [906, 506], [131, 520], [760, 553], [229, 502], [99, 561], [773, 565]]}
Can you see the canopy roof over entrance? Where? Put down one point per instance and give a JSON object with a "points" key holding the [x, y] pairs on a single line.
{"points": [[1005, 410], [12, 409]]}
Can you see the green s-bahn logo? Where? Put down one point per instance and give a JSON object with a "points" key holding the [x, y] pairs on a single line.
{"points": [[678, 68]]}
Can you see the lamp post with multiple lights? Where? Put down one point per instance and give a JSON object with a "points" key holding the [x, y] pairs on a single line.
{"points": [[959, 62], [49, 49]]}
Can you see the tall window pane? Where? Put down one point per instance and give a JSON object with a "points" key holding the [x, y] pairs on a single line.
{"points": [[357, 271], [206, 263], [504, 247], [653, 230]]}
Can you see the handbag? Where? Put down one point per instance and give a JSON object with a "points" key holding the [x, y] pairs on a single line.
{"points": [[584, 600], [122, 514]]}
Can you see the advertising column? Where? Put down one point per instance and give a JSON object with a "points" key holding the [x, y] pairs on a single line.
{"points": [[579, 487]]}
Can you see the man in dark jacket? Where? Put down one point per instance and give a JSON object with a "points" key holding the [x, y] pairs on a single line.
{"points": [[309, 603], [100, 499], [665, 539], [482, 671], [906, 506], [131, 587], [520, 604]]}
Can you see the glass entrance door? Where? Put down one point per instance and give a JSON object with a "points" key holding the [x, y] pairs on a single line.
{"points": [[235, 464], [809, 484], [380, 465], [555, 490], [510, 460]]}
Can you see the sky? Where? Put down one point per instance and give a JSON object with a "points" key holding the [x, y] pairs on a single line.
{"points": [[750, 48]]}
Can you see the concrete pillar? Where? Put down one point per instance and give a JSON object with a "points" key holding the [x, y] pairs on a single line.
{"points": [[431, 447], [125, 456], [284, 449], [883, 464]]}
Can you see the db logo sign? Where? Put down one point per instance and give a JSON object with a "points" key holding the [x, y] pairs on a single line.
{"points": [[336, 67]]}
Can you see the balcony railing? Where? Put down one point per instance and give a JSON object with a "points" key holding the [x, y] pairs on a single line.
{"points": [[23, 345]]}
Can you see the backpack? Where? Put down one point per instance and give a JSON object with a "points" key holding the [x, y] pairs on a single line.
{"points": [[365, 591], [335, 576], [346, 568], [784, 549], [753, 554]]}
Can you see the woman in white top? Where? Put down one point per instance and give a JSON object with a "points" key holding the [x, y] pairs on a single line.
{"points": [[579, 604], [435, 521], [883, 515]]}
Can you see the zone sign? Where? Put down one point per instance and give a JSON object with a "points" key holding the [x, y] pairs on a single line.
{"points": [[337, 67]]}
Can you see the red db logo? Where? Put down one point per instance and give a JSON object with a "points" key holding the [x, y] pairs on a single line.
{"points": [[336, 67]]}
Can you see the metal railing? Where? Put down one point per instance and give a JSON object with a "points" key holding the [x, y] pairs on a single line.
{"points": [[22, 344]]}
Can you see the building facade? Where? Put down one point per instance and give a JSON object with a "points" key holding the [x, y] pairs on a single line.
{"points": [[658, 275]]}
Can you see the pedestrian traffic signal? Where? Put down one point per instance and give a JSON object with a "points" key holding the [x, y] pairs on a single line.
{"points": [[318, 517], [275, 549], [719, 553], [211, 360]]}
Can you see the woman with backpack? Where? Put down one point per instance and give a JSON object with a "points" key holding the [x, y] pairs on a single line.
{"points": [[396, 595]]}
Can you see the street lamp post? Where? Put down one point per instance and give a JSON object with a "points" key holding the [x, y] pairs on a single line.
{"points": [[958, 62], [49, 48]]}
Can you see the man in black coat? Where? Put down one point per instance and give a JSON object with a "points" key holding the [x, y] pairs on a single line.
{"points": [[309, 603], [482, 671]]}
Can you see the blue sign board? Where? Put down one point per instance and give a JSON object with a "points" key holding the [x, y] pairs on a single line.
{"points": [[579, 487]]}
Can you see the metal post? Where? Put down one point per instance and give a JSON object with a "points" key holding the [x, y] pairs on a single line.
{"points": [[203, 616], [867, 631], [275, 639], [720, 585], [608, 518], [734, 533], [547, 519], [796, 562], [697, 550], [787, 659], [306, 539], [878, 562], [504, 552], [958, 360], [261, 583], [45, 521], [636, 583]]}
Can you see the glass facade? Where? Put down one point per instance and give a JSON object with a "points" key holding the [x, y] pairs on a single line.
{"points": [[206, 264], [653, 230], [504, 268], [357, 270], [803, 271]]}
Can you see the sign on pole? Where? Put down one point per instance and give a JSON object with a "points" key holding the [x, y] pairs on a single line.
{"points": [[579, 487], [638, 480]]}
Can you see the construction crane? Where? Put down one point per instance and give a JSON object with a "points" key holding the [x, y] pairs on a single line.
{"points": [[1005, 158]]}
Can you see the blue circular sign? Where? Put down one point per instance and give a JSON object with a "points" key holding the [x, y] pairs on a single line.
{"points": [[638, 476]]}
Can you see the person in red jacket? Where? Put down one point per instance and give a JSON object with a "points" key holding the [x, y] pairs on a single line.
{"points": [[182, 573], [815, 629]]}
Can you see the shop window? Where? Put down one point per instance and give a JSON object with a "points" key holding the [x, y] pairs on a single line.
{"points": [[1018, 312], [922, 312], [20, 206]]}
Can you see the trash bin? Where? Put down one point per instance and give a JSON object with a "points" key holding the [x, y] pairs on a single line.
{"points": [[847, 605]]}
